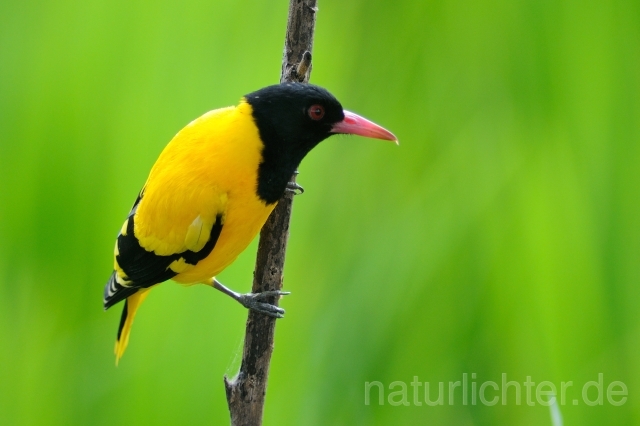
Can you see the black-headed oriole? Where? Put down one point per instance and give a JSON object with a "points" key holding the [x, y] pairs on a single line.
{"points": [[213, 187]]}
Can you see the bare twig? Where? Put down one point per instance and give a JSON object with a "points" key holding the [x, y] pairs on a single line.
{"points": [[246, 391]]}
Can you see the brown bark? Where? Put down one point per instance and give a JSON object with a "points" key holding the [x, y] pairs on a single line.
{"points": [[246, 392]]}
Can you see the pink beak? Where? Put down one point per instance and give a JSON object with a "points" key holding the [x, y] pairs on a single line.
{"points": [[353, 124]]}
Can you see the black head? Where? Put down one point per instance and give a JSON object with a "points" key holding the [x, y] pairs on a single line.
{"points": [[292, 118]]}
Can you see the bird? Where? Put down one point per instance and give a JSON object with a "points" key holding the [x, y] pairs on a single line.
{"points": [[213, 187]]}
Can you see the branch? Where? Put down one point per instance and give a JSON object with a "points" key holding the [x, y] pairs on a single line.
{"points": [[246, 391]]}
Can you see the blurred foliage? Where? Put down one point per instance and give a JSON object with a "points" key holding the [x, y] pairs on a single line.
{"points": [[502, 236]]}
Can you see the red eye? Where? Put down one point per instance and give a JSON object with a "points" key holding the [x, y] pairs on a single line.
{"points": [[316, 112]]}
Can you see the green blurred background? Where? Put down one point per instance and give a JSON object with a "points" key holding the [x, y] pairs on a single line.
{"points": [[502, 236]]}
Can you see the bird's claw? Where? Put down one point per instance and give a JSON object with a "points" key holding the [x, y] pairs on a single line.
{"points": [[252, 301], [294, 188]]}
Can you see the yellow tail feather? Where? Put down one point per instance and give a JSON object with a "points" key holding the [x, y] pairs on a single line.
{"points": [[128, 314]]}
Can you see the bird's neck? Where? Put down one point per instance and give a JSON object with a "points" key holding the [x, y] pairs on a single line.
{"points": [[274, 173]]}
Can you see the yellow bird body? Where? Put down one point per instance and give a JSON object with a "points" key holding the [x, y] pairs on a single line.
{"points": [[208, 169]]}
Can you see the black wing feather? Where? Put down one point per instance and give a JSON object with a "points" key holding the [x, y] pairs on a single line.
{"points": [[145, 268]]}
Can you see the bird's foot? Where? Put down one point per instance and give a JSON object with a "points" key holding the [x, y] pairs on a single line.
{"points": [[255, 301], [294, 188]]}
